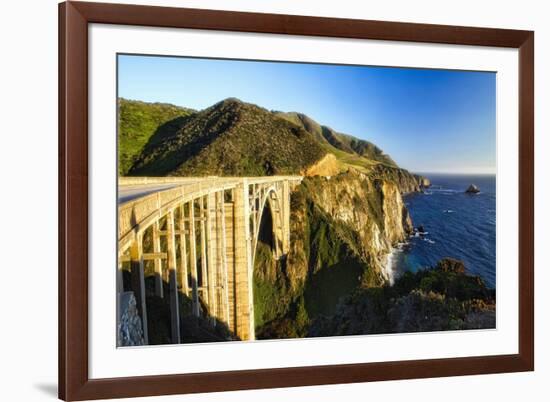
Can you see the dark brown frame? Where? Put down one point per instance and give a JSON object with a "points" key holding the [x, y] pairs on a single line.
{"points": [[74, 17]]}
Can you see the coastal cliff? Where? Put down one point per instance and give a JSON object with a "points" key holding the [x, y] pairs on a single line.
{"points": [[406, 181], [372, 209]]}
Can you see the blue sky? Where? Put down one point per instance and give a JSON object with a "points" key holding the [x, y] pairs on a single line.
{"points": [[427, 120]]}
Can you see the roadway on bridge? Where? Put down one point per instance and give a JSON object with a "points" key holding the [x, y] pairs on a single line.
{"points": [[129, 193], [132, 188]]}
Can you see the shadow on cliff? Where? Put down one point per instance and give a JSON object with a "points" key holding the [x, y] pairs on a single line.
{"points": [[165, 132], [193, 329], [165, 147]]}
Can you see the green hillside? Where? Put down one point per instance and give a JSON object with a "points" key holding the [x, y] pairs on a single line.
{"points": [[349, 150], [307, 123], [138, 122], [365, 149], [230, 138]]}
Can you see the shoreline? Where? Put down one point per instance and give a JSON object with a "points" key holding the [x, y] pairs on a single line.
{"points": [[390, 271]]}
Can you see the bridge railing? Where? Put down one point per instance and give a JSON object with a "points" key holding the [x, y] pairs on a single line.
{"points": [[141, 181]]}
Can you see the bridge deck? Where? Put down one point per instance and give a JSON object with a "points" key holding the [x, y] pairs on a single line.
{"points": [[131, 188]]}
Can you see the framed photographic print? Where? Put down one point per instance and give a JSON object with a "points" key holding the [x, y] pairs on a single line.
{"points": [[259, 200]]}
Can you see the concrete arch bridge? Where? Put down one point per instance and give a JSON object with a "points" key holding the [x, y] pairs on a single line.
{"points": [[200, 236]]}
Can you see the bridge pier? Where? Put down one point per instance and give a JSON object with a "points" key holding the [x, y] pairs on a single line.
{"points": [[285, 207], [204, 268], [229, 242], [211, 257], [222, 256], [172, 278], [159, 288], [182, 274], [193, 251], [243, 263]]}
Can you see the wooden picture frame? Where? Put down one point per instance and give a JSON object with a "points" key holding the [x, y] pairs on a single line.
{"points": [[74, 381]]}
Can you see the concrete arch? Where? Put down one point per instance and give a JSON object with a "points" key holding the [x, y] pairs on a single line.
{"points": [[270, 202]]}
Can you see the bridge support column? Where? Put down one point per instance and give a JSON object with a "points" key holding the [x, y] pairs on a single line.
{"points": [[204, 267], [193, 258], [172, 277], [159, 288], [222, 257], [212, 251], [229, 246], [285, 206], [183, 276], [138, 282], [243, 264]]}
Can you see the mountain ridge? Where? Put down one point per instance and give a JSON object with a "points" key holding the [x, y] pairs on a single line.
{"points": [[336, 140], [233, 137]]}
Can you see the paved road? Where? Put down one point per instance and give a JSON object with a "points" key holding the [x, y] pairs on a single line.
{"points": [[128, 193], [131, 189]]}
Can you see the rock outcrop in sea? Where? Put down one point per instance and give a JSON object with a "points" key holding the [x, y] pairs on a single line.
{"points": [[424, 182], [472, 189]]}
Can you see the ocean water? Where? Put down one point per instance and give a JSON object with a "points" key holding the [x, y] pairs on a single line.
{"points": [[456, 224]]}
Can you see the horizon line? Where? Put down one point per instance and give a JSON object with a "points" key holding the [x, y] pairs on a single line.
{"points": [[455, 173]]}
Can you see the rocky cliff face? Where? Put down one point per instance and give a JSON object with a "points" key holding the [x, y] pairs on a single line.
{"points": [[372, 209], [326, 166], [130, 329], [406, 181]]}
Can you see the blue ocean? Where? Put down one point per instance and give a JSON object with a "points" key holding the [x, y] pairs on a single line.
{"points": [[455, 224]]}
